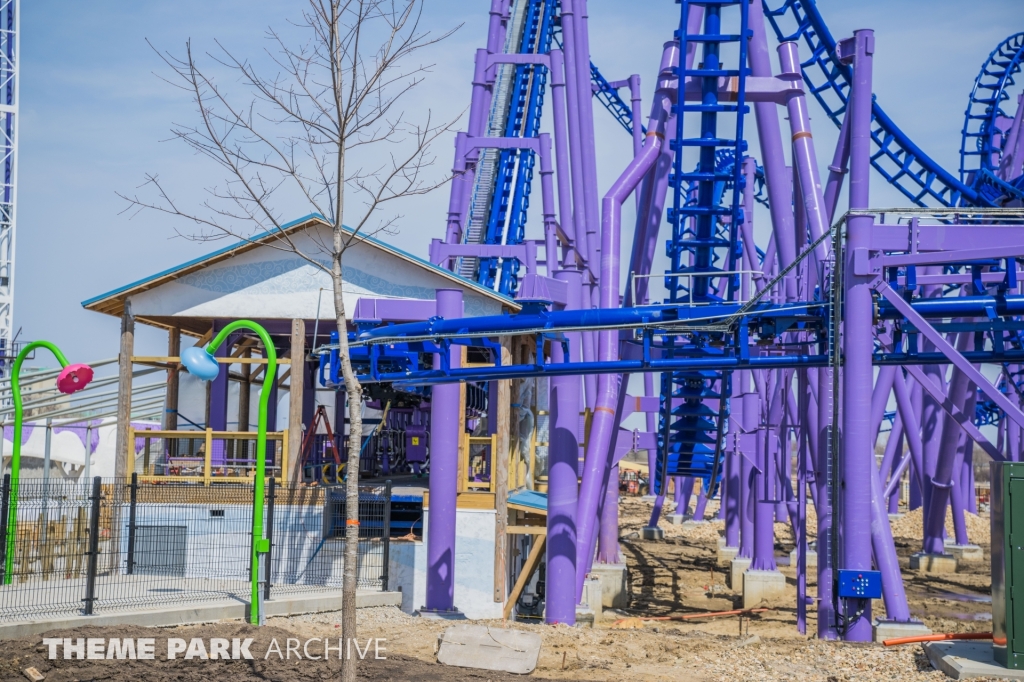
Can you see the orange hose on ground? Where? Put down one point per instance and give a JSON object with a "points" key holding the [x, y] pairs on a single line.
{"points": [[937, 638]]}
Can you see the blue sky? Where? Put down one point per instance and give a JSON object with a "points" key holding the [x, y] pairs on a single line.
{"points": [[95, 119]]}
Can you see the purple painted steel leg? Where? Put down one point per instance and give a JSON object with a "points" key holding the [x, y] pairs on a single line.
{"points": [[608, 540], [444, 473], [895, 597], [857, 468], [702, 503], [563, 460]]}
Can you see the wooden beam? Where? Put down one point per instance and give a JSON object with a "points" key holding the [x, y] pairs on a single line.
{"points": [[295, 394], [532, 562], [527, 530], [244, 391], [162, 360], [170, 420], [125, 450], [499, 472]]}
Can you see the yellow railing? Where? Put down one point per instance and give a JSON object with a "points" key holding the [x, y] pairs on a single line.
{"points": [[189, 456]]}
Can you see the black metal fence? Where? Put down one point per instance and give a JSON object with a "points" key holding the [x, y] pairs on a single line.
{"points": [[118, 544]]}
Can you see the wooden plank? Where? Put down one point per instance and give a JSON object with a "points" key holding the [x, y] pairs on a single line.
{"points": [[527, 530], [209, 453], [532, 562], [162, 360], [499, 475], [467, 500], [296, 389]]}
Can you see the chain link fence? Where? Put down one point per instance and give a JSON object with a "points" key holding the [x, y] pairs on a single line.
{"points": [[120, 544]]}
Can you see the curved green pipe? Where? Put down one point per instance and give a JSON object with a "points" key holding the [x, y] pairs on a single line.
{"points": [[12, 510], [259, 544]]}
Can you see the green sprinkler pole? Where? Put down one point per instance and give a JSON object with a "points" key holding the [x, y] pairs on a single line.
{"points": [[260, 545], [12, 511]]}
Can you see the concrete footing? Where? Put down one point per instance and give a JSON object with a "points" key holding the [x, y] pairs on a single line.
{"points": [[737, 567], [726, 554], [677, 519], [614, 588], [593, 596], [762, 586], [887, 629], [652, 533], [812, 558], [584, 617], [968, 660], [933, 563], [966, 552]]}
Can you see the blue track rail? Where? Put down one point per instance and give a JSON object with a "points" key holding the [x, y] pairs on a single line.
{"points": [[896, 158]]}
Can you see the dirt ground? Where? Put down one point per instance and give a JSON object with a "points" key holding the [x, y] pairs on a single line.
{"points": [[674, 576]]}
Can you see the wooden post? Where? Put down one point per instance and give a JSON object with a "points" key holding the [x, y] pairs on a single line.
{"points": [[295, 394], [499, 475], [207, 457], [244, 394], [170, 419], [124, 464]]}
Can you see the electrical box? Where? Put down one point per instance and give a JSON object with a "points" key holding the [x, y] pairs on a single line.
{"points": [[860, 584], [1008, 563]]}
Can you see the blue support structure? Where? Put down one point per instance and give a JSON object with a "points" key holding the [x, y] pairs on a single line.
{"points": [[705, 216]]}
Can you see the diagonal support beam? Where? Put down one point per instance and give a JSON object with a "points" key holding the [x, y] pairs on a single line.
{"points": [[944, 347], [965, 421]]}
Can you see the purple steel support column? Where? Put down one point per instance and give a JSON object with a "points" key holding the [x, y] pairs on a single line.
{"points": [[749, 411], [804, 395], [857, 467], [558, 115], [896, 475], [456, 199], [597, 457], [588, 150], [496, 27], [960, 389], [608, 540], [731, 502], [892, 444], [563, 460], [959, 495], [967, 478], [905, 405], [880, 397], [837, 169], [634, 101], [701, 506], [804, 161], [764, 510], [444, 473], [772, 152], [884, 549], [548, 204]]}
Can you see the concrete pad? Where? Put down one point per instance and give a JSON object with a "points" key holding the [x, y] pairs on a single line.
{"points": [[652, 533], [762, 586], [677, 519], [812, 558], [888, 629], [966, 553], [693, 523], [593, 595], [485, 648], [614, 587], [454, 614], [737, 567], [933, 563], [966, 660], [209, 612], [726, 554], [584, 616]]}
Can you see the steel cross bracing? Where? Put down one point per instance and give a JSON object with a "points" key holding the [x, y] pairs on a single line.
{"points": [[704, 217], [9, 50]]}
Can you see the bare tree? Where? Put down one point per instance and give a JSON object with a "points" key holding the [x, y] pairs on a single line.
{"points": [[303, 136]]}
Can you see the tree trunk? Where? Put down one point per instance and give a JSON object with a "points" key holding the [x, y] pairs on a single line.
{"points": [[355, 418]]}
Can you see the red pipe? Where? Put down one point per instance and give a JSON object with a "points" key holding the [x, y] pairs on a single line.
{"points": [[937, 638]]}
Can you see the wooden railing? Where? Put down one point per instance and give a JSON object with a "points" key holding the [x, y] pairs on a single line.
{"points": [[178, 458]]}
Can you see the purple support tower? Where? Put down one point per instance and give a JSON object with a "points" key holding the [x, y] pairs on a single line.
{"points": [[444, 473]]}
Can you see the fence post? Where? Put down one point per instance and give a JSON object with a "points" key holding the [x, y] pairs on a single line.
{"points": [[270, 535], [131, 523], [5, 504], [94, 545], [387, 536]]}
